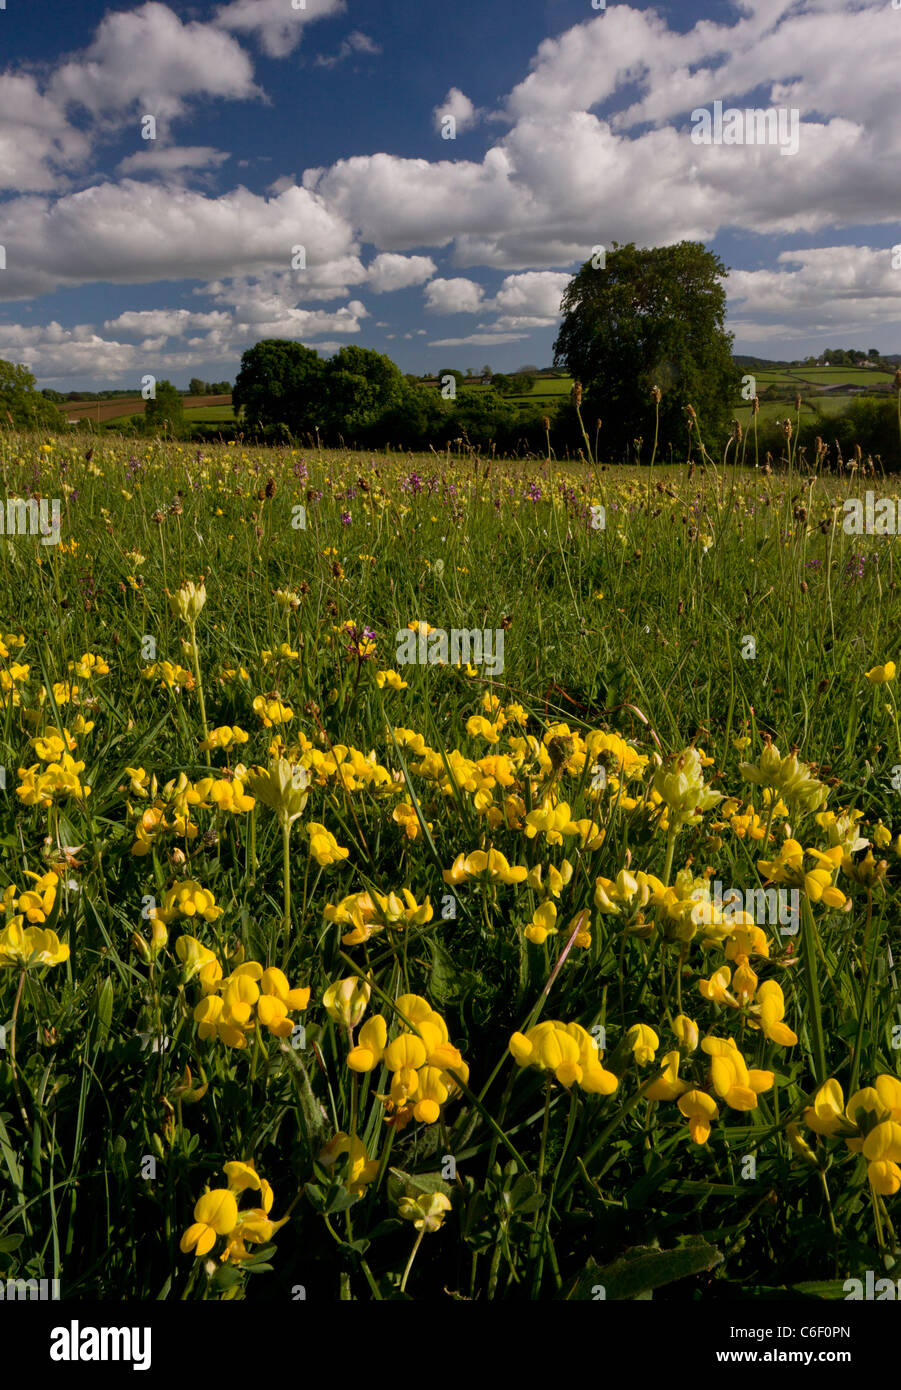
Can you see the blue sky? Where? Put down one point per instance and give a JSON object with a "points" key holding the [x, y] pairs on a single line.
{"points": [[321, 127]]}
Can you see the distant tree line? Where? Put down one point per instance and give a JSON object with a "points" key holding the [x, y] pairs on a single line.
{"points": [[359, 396], [63, 397], [196, 387]]}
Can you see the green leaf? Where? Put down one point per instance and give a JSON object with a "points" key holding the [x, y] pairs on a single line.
{"points": [[420, 1182], [642, 1269], [104, 1009], [442, 981]]}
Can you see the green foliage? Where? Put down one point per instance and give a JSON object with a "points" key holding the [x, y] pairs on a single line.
{"points": [[164, 413], [360, 388], [196, 387], [21, 405], [280, 385], [650, 318], [634, 628]]}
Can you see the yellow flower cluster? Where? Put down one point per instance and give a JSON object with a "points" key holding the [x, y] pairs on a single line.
{"points": [[788, 867], [420, 1058], [186, 899], [169, 674], [369, 913], [731, 1079], [89, 665], [11, 677], [178, 798], [568, 1052], [223, 737], [272, 710], [57, 780], [23, 946], [33, 905], [217, 1213], [766, 1013], [351, 769], [226, 1011], [792, 779], [870, 1124], [485, 867]]}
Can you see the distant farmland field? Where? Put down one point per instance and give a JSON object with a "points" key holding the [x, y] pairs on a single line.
{"points": [[780, 410], [787, 378], [101, 411]]}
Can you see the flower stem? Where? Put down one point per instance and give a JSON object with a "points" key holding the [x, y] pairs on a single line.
{"points": [[403, 1282], [808, 939]]}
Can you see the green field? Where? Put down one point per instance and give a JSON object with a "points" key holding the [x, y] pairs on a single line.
{"points": [[298, 896], [209, 414], [785, 409], [789, 378]]}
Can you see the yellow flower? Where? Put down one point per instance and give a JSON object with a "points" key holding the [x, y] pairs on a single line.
{"points": [[542, 924], [884, 1177], [716, 989], [404, 815], [324, 848], [197, 959], [215, 1214], [772, 1010], [679, 782], [283, 789], [700, 1110], [668, 1086], [361, 1169], [371, 1044], [186, 899], [557, 879], [882, 836], [272, 711], [567, 1051], [788, 867], [881, 675], [277, 1000], [733, 1082], [390, 678], [644, 1043], [89, 665], [27, 946], [224, 737], [826, 1115], [427, 1211], [187, 601], [552, 821], [687, 1033], [491, 867], [346, 1001]]}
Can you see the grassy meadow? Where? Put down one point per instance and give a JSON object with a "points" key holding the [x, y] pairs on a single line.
{"points": [[330, 975]]}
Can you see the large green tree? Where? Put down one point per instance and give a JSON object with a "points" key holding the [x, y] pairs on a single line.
{"points": [[651, 318], [280, 383], [361, 388], [165, 412], [21, 404]]}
